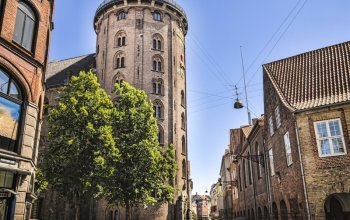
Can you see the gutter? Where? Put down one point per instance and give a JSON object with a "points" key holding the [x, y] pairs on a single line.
{"points": [[302, 168]]}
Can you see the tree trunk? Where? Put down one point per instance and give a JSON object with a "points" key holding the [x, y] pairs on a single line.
{"points": [[127, 211]]}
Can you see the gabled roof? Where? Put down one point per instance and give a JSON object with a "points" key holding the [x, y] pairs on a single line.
{"points": [[246, 130], [59, 72], [317, 78]]}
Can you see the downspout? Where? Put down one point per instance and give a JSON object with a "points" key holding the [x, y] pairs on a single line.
{"points": [[267, 180], [302, 168]]}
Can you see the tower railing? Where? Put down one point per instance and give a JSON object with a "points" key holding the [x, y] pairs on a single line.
{"points": [[106, 3]]}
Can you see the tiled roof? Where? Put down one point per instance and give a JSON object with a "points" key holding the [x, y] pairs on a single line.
{"points": [[317, 78], [59, 72]]}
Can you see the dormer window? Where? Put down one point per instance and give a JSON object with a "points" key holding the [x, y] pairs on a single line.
{"points": [[157, 16], [121, 15]]}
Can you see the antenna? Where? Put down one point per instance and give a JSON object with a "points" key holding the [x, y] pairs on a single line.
{"points": [[245, 90]]}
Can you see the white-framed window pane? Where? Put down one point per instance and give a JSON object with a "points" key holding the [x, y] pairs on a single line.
{"points": [[272, 166], [278, 116], [325, 147], [334, 128], [271, 126], [338, 145], [288, 149], [322, 129]]}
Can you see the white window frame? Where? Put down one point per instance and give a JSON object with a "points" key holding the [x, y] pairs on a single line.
{"points": [[288, 149], [278, 116], [271, 130], [272, 166], [318, 139], [259, 160]]}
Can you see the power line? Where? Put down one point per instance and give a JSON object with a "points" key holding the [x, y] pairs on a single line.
{"points": [[272, 37], [278, 40]]}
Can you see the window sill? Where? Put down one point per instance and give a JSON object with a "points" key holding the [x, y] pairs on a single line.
{"points": [[333, 155], [184, 129], [23, 49], [183, 106], [120, 46], [120, 67], [157, 71], [183, 154], [157, 50]]}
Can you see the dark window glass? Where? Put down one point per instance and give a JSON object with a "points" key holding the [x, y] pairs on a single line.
{"points": [[159, 66], [159, 45], [24, 27], [119, 41], [123, 41], [122, 62], [154, 88], [159, 88], [118, 62], [154, 65], [6, 179], [154, 44]]}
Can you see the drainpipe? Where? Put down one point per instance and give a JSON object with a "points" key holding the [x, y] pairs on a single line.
{"points": [[267, 180], [302, 169]]}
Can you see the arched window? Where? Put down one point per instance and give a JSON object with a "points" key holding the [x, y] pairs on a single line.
{"points": [[182, 98], [157, 16], [25, 26], [116, 215], [183, 142], [157, 63], [118, 78], [121, 15], [11, 101], [157, 86], [183, 121], [158, 109], [119, 60], [120, 39], [157, 42], [160, 135], [184, 169], [260, 159]]}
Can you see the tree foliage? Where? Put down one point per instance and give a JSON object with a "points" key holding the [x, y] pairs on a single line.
{"points": [[81, 148], [142, 174]]}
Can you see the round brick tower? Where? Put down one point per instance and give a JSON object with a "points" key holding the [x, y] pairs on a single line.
{"points": [[142, 42]]}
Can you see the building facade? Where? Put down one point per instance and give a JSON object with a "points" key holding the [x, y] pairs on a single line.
{"points": [[143, 43], [307, 133], [25, 29]]}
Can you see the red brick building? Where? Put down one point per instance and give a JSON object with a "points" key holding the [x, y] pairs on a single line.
{"points": [[307, 112], [294, 162], [25, 28]]}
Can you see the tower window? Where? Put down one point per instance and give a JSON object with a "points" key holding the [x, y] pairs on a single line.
{"points": [[157, 86], [158, 109], [182, 98], [25, 25], [119, 60], [183, 121], [183, 145], [157, 42], [160, 135], [120, 39], [184, 169], [121, 15], [157, 16], [157, 64]]}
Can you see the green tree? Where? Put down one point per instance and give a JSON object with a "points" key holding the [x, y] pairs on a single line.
{"points": [[81, 148], [143, 172]]}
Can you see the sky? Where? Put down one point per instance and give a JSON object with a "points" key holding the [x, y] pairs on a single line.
{"points": [[266, 31]]}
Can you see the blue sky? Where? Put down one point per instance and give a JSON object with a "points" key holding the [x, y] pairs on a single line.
{"points": [[267, 31]]}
